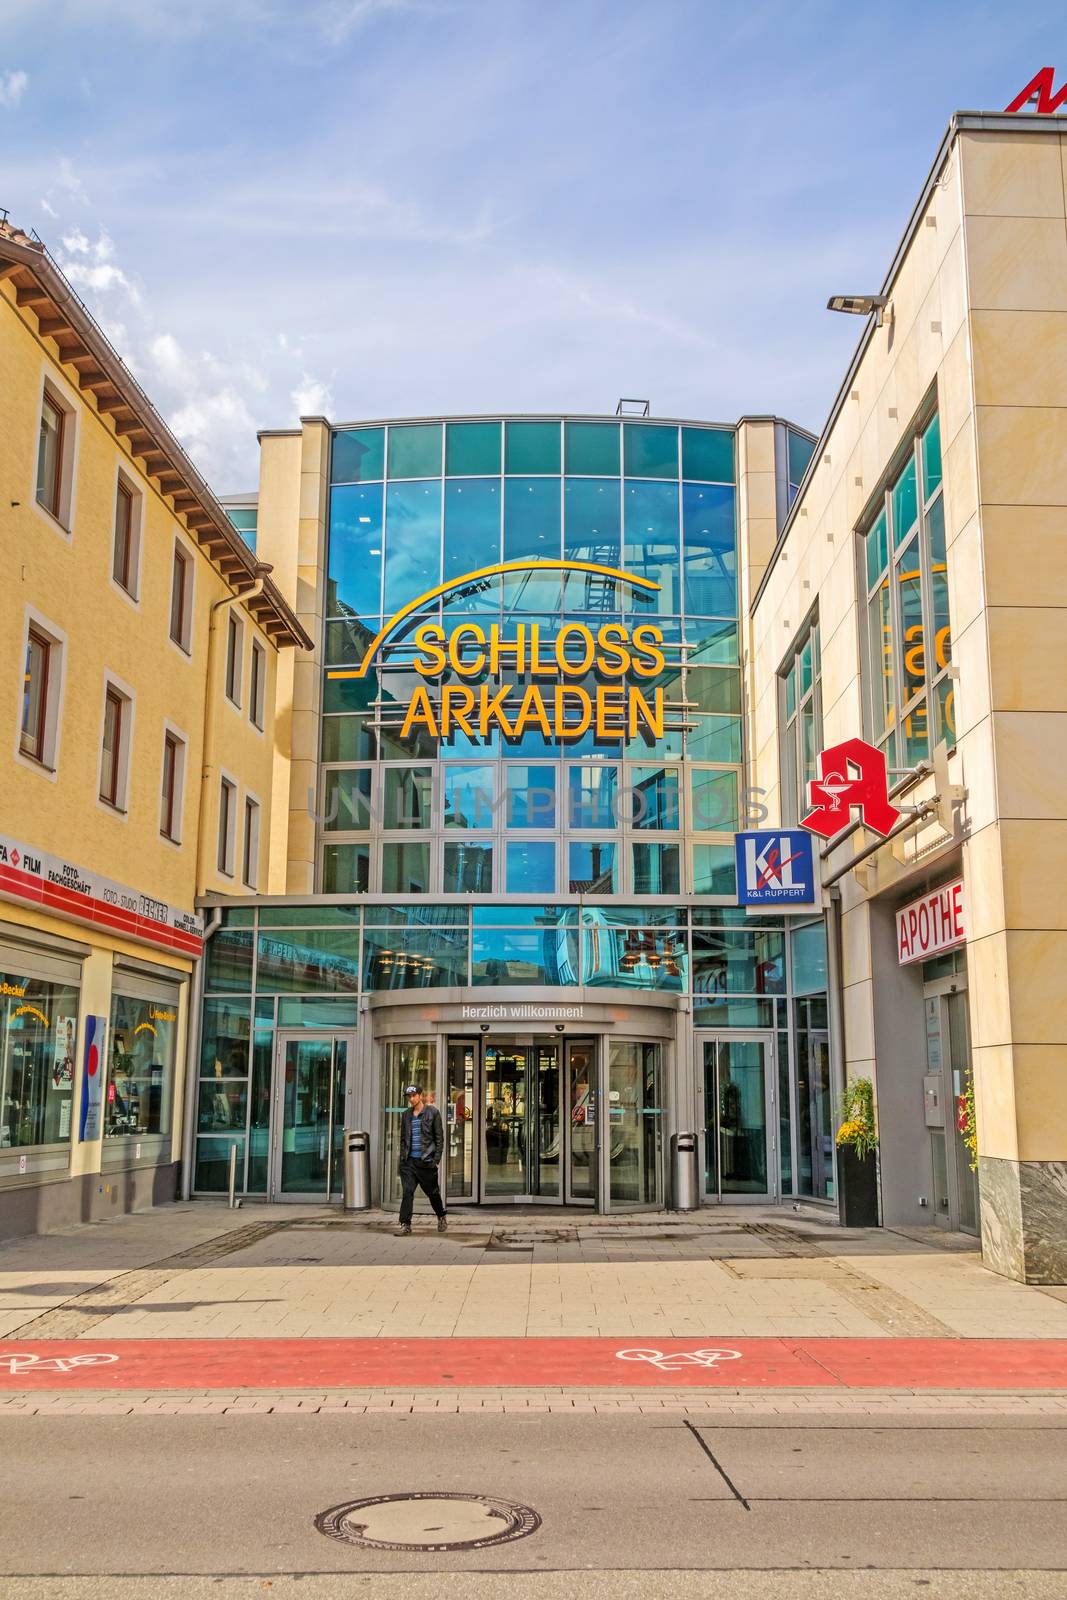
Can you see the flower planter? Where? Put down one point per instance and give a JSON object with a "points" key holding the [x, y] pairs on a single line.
{"points": [[858, 1184]]}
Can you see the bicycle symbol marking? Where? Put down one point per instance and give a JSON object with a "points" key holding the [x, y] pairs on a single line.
{"points": [[25, 1361], [678, 1360]]}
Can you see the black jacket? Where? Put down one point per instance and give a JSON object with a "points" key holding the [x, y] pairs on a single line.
{"points": [[433, 1135]]}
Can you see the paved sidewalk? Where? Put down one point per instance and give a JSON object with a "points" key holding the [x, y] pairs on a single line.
{"points": [[201, 1271]]}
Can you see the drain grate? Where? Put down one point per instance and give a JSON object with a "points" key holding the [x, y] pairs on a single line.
{"points": [[432, 1521]]}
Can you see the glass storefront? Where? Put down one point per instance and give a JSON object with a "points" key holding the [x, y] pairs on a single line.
{"points": [[549, 1119], [38, 1041]]}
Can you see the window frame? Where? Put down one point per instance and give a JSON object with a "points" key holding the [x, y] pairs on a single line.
{"points": [[54, 504], [227, 835], [892, 739], [172, 802], [257, 684], [47, 761], [34, 635], [128, 585], [250, 842], [119, 694], [233, 676], [793, 777], [182, 639]]}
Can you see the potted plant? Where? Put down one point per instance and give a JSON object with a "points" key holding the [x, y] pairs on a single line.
{"points": [[857, 1161]]}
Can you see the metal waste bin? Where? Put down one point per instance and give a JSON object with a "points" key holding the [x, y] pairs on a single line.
{"points": [[683, 1171], [356, 1174]]}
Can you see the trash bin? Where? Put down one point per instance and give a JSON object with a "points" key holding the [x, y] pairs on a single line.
{"points": [[683, 1171], [356, 1175]]}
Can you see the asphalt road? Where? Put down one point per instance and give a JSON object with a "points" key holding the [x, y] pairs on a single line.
{"points": [[139, 1507]]}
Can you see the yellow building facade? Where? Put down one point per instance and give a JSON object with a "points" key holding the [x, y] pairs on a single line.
{"points": [[139, 651], [925, 556]]}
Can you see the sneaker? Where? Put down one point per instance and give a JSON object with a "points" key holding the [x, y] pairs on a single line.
{"points": [[404, 1229], [442, 1224]]}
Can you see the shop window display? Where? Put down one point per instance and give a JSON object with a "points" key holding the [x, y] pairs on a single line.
{"points": [[38, 1035], [141, 1056]]}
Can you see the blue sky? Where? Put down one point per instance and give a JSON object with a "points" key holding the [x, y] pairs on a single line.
{"points": [[405, 207]]}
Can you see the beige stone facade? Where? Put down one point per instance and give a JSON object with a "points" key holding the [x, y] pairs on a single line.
{"points": [[976, 331]]}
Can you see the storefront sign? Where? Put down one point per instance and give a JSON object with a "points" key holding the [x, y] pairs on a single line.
{"points": [[523, 1013], [775, 867], [1039, 93], [32, 877], [932, 924], [481, 652], [852, 777], [93, 1079]]}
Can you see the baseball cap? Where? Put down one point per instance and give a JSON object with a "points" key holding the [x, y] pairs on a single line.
{"points": [[412, 1088]]}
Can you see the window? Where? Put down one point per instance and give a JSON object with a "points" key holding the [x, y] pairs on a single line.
{"points": [[227, 809], [126, 552], [50, 456], [910, 698], [172, 787], [143, 1049], [38, 1035], [250, 861], [257, 685], [181, 583], [35, 696], [800, 720], [114, 747], [234, 664]]}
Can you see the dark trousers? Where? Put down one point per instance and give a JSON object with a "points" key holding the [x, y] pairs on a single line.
{"points": [[419, 1175]]}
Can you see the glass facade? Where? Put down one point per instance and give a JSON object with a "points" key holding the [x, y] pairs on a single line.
{"points": [[417, 507], [910, 693]]}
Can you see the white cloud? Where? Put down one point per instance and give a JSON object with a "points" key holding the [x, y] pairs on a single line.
{"points": [[75, 241], [12, 88], [49, 210], [311, 398]]}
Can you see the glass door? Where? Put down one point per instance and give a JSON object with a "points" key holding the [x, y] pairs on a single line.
{"points": [[948, 1056], [634, 1133], [406, 1061], [461, 1120], [308, 1121], [581, 1099], [523, 1143], [738, 1098]]}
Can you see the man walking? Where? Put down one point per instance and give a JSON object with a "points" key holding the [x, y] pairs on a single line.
{"points": [[422, 1144]]}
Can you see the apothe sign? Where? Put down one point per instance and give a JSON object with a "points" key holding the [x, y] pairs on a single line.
{"points": [[32, 877], [932, 924], [775, 868]]}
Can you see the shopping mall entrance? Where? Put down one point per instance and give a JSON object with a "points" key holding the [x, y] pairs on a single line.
{"points": [[737, 1091], [534, 1119]]}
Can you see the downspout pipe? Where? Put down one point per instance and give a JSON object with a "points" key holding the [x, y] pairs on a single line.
{"points": [[194, 1034], [836, 997]]}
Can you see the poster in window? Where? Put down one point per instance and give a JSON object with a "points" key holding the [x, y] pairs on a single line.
{"points": [[93, 1078], [63, 1064]]}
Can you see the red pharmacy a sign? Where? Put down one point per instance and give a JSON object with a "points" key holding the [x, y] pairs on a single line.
{"points": [[853, 776], [1041, 92]]}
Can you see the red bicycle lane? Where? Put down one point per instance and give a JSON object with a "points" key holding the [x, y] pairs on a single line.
{"points": [[310, 1363]]}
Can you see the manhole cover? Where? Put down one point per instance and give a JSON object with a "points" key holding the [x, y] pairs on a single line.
{"points": [[432, 1521]]}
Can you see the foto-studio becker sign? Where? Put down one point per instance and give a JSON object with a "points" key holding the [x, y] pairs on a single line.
{"points": [[618, 708]]}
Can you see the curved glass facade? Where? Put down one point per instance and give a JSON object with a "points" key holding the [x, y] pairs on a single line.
{"points": [[634, 807]]}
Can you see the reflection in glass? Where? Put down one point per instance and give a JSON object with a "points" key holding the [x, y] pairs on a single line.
{"points": [[347, 799], [357, 455], [633, 958], [531, 519], [468, 867], [354, 574], [413, 541], [531, 796], [715, 803], [144, 1040], [904, 503], [533, 955], [714, 869], [650, 450], [345, 869], [592, 531], [415, 450], [581, 1101], [472, 528], [656, 868], [408, 795], [592, 448], [651, 545], [415, 958], [405, 868], [710, 550], [472, 447], [592, 868], [532, 447], [530, 866], [468, 796], [591, 797], [308, 960], [653, 798]]}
